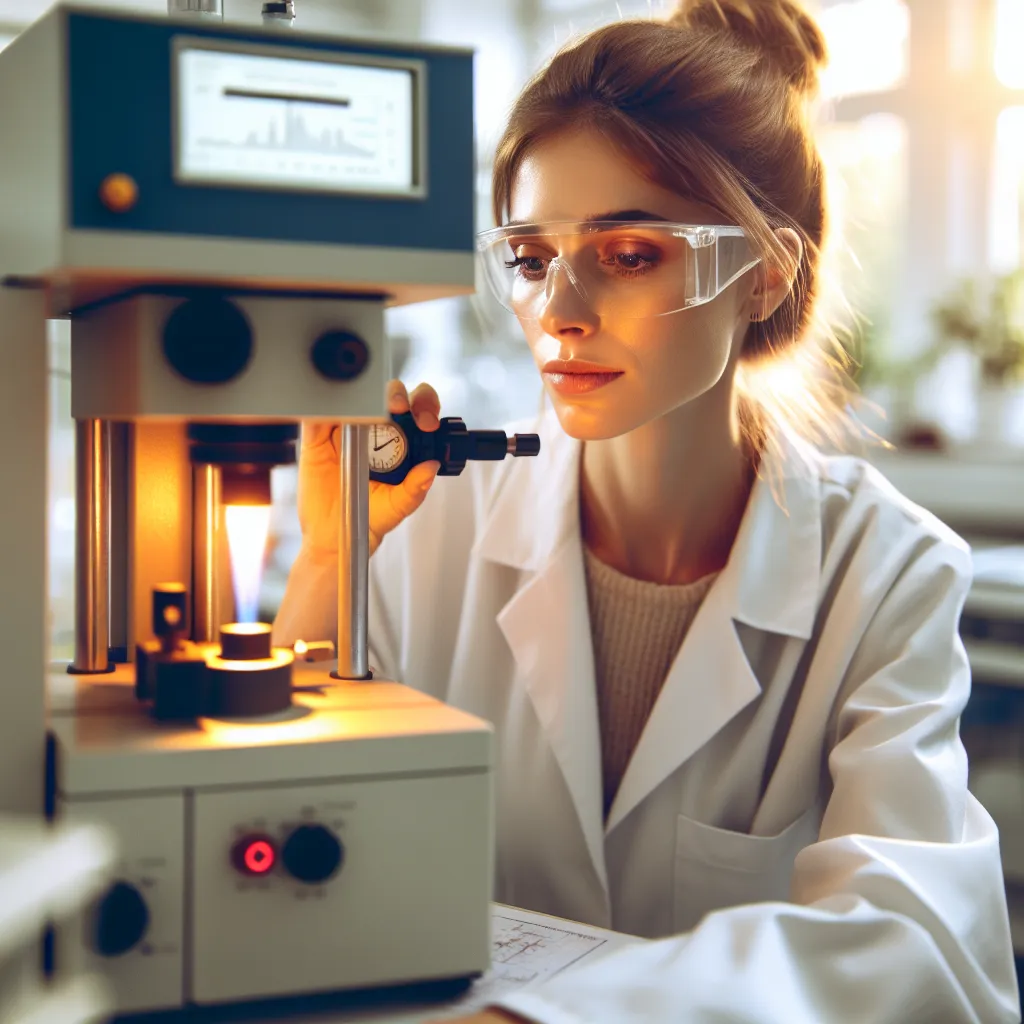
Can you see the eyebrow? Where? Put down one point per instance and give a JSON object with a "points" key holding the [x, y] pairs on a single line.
{"points": [[615, 215]]}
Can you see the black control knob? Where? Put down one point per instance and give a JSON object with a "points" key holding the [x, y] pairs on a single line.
{"points": [[122, 919], [339, 355], [208, 340], [312, 854]]}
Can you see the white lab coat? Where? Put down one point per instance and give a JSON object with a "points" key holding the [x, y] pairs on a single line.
{"points": [[795, 825]]}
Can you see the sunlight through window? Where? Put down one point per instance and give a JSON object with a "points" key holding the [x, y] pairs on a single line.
{"points": [[1009, 42], [866, 179], [868, 41], [1005, 224]]}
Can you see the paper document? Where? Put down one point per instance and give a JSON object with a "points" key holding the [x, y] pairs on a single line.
{"points": [[525, 947], [528, 947]]}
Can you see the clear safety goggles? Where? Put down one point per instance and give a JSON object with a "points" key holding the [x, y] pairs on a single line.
{"points": [[633, 269]]}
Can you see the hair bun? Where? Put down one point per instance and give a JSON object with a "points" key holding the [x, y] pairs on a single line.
{"points": [[790, 39]]}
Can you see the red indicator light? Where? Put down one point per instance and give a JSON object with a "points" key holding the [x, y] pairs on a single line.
{"points": [[259, 857], [254, 855]]}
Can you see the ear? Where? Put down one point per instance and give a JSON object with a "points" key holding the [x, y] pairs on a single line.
{"points": [[773, 284]]}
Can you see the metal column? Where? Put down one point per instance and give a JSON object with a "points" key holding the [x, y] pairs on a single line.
{"points": [[92, 548], [353, 553], [206, 554]]}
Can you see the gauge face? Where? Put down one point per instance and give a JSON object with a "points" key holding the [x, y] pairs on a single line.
{"points": [[388, 447]]}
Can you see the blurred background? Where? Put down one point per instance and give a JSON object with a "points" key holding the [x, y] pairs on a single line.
{"points": [[922, 128]]}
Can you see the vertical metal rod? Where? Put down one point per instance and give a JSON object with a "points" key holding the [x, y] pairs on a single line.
{"points": [[206, 543], [354, 553], [117, 453], [92, 547]]}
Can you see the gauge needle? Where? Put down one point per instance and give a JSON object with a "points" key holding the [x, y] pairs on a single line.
{"points": [[385, 444]]}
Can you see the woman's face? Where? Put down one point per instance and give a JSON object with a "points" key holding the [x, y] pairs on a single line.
{"points": [[661, 362]]}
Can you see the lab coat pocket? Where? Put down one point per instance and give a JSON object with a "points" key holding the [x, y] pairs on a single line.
{"points": [[716, 868]]}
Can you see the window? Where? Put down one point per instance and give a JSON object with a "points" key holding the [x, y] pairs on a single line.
{"points": [[1009, 68], [866, 165], [855, 29], [1007, 212]]}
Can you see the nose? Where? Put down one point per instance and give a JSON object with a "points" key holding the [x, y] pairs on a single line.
{"points": [[566, 310]]}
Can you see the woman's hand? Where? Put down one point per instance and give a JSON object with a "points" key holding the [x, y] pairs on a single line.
{"points": [[320, 477]]}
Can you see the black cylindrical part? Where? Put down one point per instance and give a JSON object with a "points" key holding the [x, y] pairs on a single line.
{"points": [[525, 444], [339, 355], [170, 612], [244, 694], [245, 444], [486, 445], [208, 340], [245, 485], [245, 641]]}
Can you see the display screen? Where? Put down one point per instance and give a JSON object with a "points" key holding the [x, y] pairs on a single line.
{"points": [[293, 123]]}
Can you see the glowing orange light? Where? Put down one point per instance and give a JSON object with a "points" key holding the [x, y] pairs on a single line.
{"points": [[259, 857], [248, 527]]}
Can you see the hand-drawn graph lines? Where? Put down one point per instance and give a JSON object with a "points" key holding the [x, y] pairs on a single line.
{"points": [[525, 951]]}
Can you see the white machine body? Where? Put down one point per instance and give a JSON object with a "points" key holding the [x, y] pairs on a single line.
{"points": [[401, 780]]}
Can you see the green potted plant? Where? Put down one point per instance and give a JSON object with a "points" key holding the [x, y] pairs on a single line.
{"points": [[987, 319]]}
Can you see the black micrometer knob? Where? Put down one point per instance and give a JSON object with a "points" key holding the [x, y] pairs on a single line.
{"points": [[454, 445]]}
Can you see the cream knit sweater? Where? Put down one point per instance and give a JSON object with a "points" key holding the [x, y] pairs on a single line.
{"points": [[637, 629]]}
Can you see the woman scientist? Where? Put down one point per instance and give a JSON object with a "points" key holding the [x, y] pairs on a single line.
{"points": [[723, 669]]}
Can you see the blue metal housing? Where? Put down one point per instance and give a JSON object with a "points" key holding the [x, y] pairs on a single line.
{"points": [[120, 121]]}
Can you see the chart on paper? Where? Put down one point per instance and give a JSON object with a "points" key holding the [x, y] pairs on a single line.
{"points": [[526, 948]]}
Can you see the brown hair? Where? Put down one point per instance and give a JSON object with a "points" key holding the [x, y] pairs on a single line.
{"points": [[712, 104]]}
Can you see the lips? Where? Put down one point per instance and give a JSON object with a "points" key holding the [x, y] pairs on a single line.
{"points": [[577, 377], [568, 366]]}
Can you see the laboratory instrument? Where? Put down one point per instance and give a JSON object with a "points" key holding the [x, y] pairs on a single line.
{"points": [[223, 212], [395, 447]]}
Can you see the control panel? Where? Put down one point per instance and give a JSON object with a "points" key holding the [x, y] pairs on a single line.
{"points": [[303, 888], [311, 854], [134, 933], [291, 888]]}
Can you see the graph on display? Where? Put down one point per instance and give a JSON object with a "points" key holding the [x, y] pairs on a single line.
{"points": [[298, 131], [254, 119]]}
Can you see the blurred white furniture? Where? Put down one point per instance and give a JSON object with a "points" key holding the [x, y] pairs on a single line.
{"points": [[48, 876]]}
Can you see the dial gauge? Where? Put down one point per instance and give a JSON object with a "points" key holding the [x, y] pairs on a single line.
{"points": [[388, 447]]}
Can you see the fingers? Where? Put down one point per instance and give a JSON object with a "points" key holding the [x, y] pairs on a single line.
{"points": [[315, 434], [390, 505], [420, 477], [423, 403], [398, 398], [320, 445], [426, 407], [407, 497]]}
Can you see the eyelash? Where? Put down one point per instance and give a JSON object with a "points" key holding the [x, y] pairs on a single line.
{"points": [[647, 263]]}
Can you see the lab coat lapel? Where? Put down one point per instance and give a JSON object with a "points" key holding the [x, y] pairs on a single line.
{"points": [[546, 623], [547, 628], [771, 583]]}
